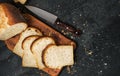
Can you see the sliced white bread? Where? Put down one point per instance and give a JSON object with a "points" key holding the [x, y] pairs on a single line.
{"points": [[28, 59], [11, 21], [57, 57], [28, 32], [37, 49]]}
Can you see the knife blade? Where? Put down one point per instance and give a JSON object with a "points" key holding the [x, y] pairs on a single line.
{"points": [[53, 19], [42, 13]]}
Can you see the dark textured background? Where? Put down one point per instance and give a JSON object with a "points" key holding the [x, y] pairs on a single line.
{"points": [[98, 51]]}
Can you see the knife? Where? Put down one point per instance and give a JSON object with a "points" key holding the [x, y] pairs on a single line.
{"points": [[51, 18], [48, 17]]}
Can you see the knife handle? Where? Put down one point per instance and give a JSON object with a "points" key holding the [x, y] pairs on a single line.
{"points": [[68, 28]]}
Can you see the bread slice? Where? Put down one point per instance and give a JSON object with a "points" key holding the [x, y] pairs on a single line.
{"points": [[28, 59], [11, 21], [28, 32], [37, 49], [58, 56]]}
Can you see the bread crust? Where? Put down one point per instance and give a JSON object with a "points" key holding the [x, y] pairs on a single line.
{"points": [[12, 13], [43, 55], [38, 39], [29, 37]]}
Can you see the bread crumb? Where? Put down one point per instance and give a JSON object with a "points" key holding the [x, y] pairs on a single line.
{"points": [[41, 74], [88, 52], [69, 69]]}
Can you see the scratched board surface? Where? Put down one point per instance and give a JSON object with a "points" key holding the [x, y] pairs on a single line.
{"points": [[98, 48]]}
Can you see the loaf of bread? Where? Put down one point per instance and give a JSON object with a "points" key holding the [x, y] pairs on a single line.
{"points": [[37, 49], [11, 21], [28, 32], [28, 59], [57, 57]]}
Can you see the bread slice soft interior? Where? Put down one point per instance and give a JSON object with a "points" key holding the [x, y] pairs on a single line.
{"points": [[58, 56], [37, 48], [28, 59], [28, 32]]}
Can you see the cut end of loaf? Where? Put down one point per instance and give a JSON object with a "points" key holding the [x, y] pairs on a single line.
{"points": [[57, 57], [12, 31], [11, 21], [12, 13], [3, 20]]}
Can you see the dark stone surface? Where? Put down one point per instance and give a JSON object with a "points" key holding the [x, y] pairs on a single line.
{"points": [[98, 51]]}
